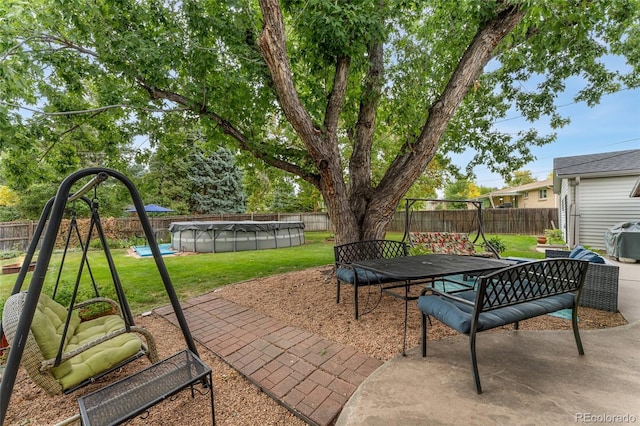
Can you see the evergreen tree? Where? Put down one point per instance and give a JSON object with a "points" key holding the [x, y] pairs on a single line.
{"points": [[217, 183], [167, 181]]}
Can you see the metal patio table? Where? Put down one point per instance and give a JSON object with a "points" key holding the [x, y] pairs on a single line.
{"points": [[428, 267], [128, 397]]}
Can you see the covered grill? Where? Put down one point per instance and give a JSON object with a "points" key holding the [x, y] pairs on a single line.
{"points": [[622, 241]]}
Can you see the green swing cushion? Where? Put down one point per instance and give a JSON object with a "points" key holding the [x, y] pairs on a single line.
{"points": [[101, 357], [47, 328]]}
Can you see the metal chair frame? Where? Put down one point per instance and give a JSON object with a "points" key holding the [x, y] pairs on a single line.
{"points": [[516, 286], [346, 254]]}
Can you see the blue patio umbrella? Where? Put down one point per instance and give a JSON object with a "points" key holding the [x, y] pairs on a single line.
{"points": [[152, 208]]}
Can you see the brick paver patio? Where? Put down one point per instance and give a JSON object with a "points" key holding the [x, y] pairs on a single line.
{"points": [[310, 375]]}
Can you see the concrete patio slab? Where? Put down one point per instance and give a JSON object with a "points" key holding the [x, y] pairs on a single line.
{"points": [[528, 377], [535, 377]]}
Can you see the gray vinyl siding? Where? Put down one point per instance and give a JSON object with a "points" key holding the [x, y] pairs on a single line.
{"points": [[603, 202]]}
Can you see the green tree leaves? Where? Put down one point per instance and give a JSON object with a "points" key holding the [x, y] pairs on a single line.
{"points": [[355, 98]]}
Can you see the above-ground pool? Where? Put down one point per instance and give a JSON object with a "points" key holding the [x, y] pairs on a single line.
{"points": [[224, 236]]}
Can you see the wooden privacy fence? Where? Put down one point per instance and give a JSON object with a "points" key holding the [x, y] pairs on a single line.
{"points": [[17, 235], [495, 221]]}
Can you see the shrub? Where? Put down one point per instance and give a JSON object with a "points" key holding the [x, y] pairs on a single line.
{"points": [[554, 236], [112, 243], [496, 243], [10, 254]]}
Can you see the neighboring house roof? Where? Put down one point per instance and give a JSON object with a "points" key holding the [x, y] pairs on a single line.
{"points": [[619, 163], [518, 190]]}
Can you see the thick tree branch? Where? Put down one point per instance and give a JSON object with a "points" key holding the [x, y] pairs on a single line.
{"points": [[227, 128], [322, 146], [230, 130], [273, 48], [360, 162], [336, 97], [413, 160]]}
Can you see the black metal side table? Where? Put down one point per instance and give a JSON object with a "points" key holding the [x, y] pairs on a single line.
{"points": [[126, 398]]}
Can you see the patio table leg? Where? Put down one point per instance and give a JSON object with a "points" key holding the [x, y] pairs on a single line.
{"points": [[406, 318]]}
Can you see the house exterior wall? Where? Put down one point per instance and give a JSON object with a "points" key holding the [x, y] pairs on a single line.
{"points": [[535, 195], [531, 199], [598, 203]]}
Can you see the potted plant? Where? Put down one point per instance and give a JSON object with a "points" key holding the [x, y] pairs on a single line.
{"points": [[541, 239]]}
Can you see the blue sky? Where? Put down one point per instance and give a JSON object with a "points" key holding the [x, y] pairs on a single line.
{"points": [[612, 125]]}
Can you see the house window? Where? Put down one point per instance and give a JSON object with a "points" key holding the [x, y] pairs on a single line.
{"points": [[526, 195], [542, 194]]}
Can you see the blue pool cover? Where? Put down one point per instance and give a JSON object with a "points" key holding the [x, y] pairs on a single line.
{"points": [[144, 251]]}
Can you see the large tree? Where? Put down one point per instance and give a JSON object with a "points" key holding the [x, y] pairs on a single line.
{"points": [[520, 177], [356, 97], [461, 189]]}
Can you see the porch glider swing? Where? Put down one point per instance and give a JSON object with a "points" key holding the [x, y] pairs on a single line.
{"points": [[447, 242], [60, 351]]}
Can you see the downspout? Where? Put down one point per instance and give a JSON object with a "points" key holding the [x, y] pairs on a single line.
{"points": [[576, 213], [571, 235]]}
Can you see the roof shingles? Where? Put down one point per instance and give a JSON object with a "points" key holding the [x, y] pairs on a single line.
{"points": [[607, 163]]}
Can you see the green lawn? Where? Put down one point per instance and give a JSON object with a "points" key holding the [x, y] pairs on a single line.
{"points": [[196, 274], [519, 246]]}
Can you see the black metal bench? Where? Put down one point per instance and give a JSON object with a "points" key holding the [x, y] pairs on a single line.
{"points": [[507, 296], [126, 398], [346, 254]]}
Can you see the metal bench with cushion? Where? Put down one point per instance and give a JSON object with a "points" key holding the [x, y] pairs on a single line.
{"points": [[346, 254], [510, 295]]}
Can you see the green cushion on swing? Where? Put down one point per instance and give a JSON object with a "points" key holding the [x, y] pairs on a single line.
{"points": [[98, 359], [48, 324], [88, 331]]}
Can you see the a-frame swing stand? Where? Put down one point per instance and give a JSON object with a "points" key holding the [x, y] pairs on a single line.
{"points": [[166, 377], [477, 205]]}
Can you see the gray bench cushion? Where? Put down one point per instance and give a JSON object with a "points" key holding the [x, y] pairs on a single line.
{"points": [[459, 315], [364, 277]]}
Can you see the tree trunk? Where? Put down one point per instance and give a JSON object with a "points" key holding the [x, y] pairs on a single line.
{"points": [[362, 212]]}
